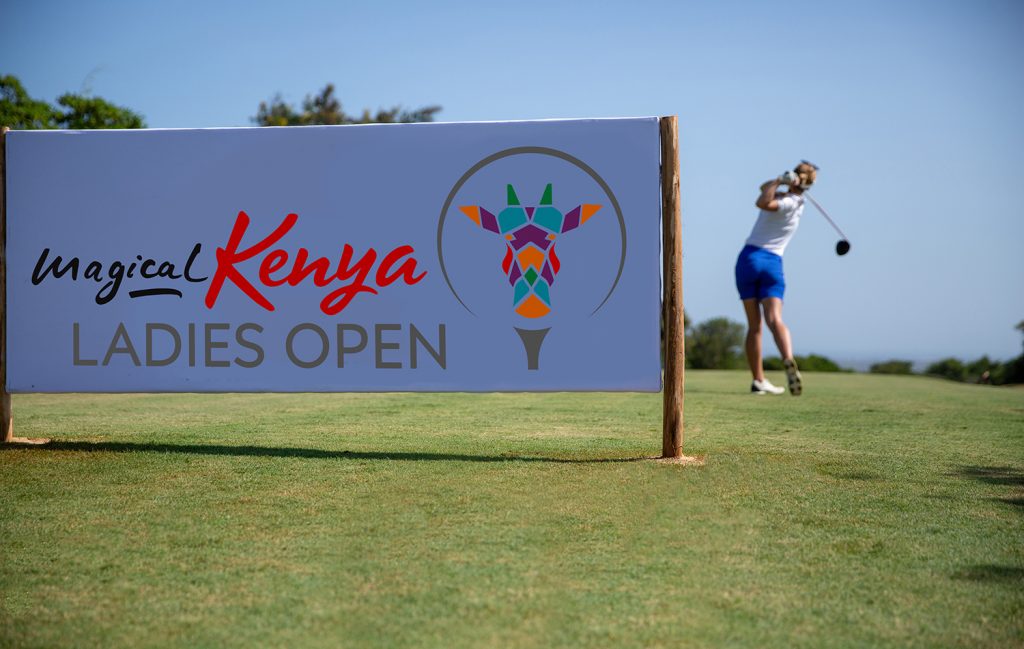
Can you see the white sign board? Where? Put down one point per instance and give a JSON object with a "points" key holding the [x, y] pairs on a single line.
{"points": [[513, 256]]}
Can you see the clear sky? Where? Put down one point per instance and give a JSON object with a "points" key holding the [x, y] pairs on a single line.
{"points": [[912, 110]]}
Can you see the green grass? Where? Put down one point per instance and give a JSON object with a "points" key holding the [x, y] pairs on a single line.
{"points": [[872, 511]]}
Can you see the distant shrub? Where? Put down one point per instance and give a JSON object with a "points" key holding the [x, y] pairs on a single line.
{"points": [[980, 371], [818, 363], [715, 344], [950, 368], [809, 363], [893, 367], [983, 364], [1011, 371]]}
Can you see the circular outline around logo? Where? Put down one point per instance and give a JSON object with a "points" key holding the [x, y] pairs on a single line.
{"points": [[519, 150]]}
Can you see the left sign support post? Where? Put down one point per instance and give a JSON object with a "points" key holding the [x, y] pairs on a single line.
{"points": [[6, 422]]}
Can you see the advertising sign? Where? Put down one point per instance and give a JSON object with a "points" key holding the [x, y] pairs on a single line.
{"points": [[506, 256]]}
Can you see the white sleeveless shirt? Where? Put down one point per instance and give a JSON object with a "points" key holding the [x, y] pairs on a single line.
{"points": [[773, 230]]}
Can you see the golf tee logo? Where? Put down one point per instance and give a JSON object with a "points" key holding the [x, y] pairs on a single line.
{"points": [[530, 201], [530, 262]]}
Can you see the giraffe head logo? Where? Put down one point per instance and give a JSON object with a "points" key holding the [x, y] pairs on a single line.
{"points": [[530, 234]]}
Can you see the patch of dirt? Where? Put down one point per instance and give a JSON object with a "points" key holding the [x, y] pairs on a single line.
{"points": [[686, 460], [28, 441]]}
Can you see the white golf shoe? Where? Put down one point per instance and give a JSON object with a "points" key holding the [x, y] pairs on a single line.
{"points": [[764, 387]]}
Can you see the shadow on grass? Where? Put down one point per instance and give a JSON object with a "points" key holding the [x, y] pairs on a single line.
{"points": [[843, 473], [998, 475], [309, 453], [1003, 475], [991, 573]]}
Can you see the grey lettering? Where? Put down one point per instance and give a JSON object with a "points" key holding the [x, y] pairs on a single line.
{"points": [[343, 349], [127, 348], [209, 344], [324, 345], [248, 344], [155, 326], [380, 346], [78, 360], [440, 357]]}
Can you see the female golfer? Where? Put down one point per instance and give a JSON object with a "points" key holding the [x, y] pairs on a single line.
{"points": [[759, 276]]}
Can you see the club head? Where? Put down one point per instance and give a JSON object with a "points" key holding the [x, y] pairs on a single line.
{"points": [[842, 247]]}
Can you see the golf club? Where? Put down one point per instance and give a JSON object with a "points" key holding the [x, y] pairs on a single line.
{"points": [[843, 245]]}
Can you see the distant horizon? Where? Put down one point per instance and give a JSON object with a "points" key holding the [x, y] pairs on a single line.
{"points": [[863, 359]]}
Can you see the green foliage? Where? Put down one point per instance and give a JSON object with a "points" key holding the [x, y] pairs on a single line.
{"points": [[975, 370], [978, 366], [19, 111], [1010, 372], [950, 368], [716, 344], [893, 367], [325, 109], [93, 112], [809, 363]]}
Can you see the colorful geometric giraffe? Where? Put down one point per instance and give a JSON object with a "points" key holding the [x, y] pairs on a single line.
{"points": [[530, 261]]}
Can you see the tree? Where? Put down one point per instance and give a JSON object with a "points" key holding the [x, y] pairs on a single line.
{"points": [[716, 344], [18, 110], [93, 112], [974, 369], [950, 368], [324, 108], [893, 367], [1012, 371]]}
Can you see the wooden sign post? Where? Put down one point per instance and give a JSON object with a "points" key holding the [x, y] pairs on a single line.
{"points": [[6, 423], [6, 420], [672, 301]]}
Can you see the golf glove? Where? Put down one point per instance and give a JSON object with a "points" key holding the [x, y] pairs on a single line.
{"points": [[789, 178]]}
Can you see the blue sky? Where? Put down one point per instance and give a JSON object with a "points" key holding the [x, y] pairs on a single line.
{"points": [[911, 109]]}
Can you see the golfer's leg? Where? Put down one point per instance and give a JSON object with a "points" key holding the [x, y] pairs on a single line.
{"points": [[753, 344], [773, 318]]}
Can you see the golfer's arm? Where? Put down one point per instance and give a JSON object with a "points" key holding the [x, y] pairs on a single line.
{"points": [[766, 201]]}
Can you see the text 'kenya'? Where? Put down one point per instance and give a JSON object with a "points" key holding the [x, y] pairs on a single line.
{"points": [[275, 269]]}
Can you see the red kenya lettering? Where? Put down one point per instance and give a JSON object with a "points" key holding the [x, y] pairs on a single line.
{"points": [[320, 268], [407, 271], [228, 257]]}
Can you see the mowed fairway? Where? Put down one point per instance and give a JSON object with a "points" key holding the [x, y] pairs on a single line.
{"points": [[872, 511]]}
